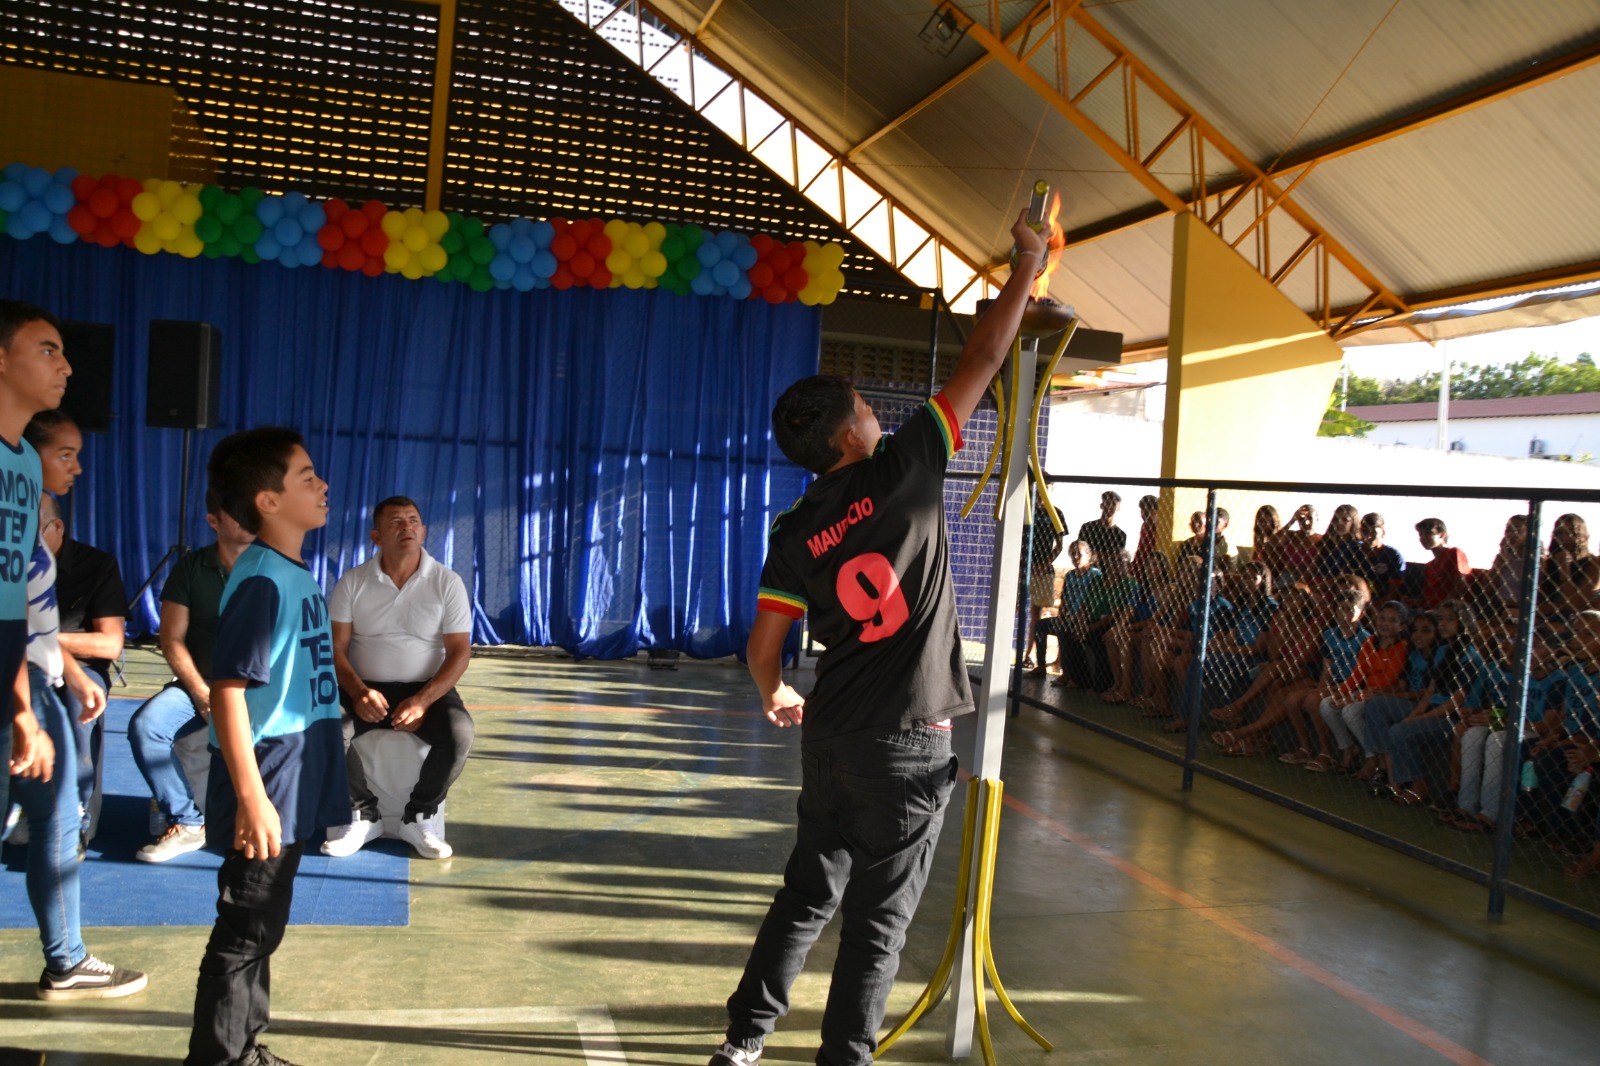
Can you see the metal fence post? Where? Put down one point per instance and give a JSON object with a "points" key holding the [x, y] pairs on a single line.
{"points": [[1511, 754], [1196, 698], [1024, 602]]}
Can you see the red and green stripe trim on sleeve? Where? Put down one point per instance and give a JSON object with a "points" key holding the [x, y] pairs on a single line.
{"points": [[780, 602], [945, 417]]}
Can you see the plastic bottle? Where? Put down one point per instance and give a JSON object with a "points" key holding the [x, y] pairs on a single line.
{"points": [[1575, 792], [1530, 776]]}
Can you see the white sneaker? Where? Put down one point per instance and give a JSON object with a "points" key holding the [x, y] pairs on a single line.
{"points": [[346, 840], [426, 836], [177, 840]]}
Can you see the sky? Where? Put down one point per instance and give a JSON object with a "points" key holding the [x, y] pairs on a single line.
{"points": [[1566, 340]]}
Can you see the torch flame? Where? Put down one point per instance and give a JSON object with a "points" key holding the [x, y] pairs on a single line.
{"points": [[1058, 241]]}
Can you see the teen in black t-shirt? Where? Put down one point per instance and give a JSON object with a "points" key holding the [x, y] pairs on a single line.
{"points": [[866, 553]]}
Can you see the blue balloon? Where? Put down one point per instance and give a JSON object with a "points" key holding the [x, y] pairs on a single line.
{"points": [[36, 181], [522, 227], [60, 232], [544, 264], [294, 202], [703, 285], [313, 218], [740, 290], [540, 283], [16, 172], [12, 196], [268, 247], [708, 253], [66, 176], [59, 199], [500, 236], [17, 229], [523, 249], [270, 211], [542, 233], [35, 216], [502, 267], [725, 273], [310, 251], [745, 255], [288, 232], [728, 242], [524, 279]]}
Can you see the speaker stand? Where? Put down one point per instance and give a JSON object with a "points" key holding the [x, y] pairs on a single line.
{"points": [[176, 551]]}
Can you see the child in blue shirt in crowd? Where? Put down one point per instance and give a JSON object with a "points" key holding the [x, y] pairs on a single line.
{"points": [[277, 762]]}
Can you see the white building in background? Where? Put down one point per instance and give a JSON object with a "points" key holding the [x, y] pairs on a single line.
{"points": [[1529, 427]]}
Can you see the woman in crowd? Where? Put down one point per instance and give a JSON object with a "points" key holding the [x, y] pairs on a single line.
{"points": [[1264, 545], [1416, 689], [1156, 593], [1068, 622], [1340, 645], [1381, 565], [1571, 572], [1239, 644], [1510, 566], [1377, 672], [1340, 550], [1461, 677], [1290, 669], [1296, 546], [1108, 603]]}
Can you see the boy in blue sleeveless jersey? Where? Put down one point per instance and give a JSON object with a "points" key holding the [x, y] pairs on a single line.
{"points": [[277, 750], [33, 378]]}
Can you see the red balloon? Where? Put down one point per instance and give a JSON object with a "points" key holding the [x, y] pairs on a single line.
{"points": [[562, 278], [330, 259], [600, 246], [560, 225], [581, 232], [105, 238], [797, 252], [775, 294], [82, 220], [83, 186], [778, 259], [795, 279], [375, 242], [336, 209], [761, 276], [762, 244], [582, 264], [352, 256], [331, 238], [104, 203], [374, 210], [372, 267], [125, 223], [354, 223], [564, 247], [601, 278], [127, 189]]}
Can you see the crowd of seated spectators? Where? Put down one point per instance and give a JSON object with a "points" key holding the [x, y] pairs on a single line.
{"points": [[1326, 651]]}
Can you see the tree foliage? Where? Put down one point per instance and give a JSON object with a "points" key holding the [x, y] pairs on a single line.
{"points": [[1536, 375]]}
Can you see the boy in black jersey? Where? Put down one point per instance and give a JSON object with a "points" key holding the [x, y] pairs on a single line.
{"points": [[866, 552]]}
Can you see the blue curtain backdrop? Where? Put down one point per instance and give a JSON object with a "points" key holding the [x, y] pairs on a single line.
{"points": [[597, 465]]}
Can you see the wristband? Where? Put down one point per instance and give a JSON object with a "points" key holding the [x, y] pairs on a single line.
{"points": [[1030, 251]]}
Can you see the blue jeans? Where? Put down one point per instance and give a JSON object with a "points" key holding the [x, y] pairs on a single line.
{"points": [[88, 736], [52, 810], [159, 723], [869, 817], [1383, 713], [1407, 741]]}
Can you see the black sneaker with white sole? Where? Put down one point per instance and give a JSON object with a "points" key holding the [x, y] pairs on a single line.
{"points": [[260, 1056], [91, 979], [728, 1055]]}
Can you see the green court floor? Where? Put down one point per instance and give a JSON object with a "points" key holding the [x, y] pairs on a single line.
{"points": [[619, 831]]}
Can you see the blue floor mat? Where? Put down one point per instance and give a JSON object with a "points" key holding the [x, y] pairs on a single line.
{"points": [[368, 888]]}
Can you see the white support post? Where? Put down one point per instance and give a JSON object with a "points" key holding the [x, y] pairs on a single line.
{"points": [[991, 695]]}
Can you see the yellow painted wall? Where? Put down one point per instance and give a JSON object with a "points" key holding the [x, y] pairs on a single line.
{"points": [[95, 124]]}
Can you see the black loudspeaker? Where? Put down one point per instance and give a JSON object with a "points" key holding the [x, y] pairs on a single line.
{"points": [[185, 381], [90, 346]]}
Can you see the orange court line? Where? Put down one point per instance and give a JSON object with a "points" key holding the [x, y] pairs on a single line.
{"points": [[1328, 979], [602, 708]]}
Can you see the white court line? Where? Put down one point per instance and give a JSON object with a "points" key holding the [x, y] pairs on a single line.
{"points": [[596, 1031]]}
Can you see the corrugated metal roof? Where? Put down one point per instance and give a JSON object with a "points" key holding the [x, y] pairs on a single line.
{"points": [[1507, 189], [1576, 403]]}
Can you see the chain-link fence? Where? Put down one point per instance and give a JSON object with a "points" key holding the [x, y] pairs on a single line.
{"points": [[1418, 666]]}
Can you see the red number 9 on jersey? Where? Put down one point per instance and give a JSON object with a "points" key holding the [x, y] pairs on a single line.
{"points": [[869, 591]]}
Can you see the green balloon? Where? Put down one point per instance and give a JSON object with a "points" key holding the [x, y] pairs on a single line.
{"points": [[692, 237], [452, 242], [227, 209], [672, 247], [687, 268], [248, 254], [471, 227], [481, 280], [213, 251], [208, 195], [462, 267], [248, 229], [481, 249], [208, 228], [249, 196], [228, 245]]}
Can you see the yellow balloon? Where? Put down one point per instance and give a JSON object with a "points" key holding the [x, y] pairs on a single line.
{"points": [[169, 191], [166, 227], [656, 232], [147, 241], [436, 223], [416, 238], [394, 225], [616, 229], [187, 209], [654, 264], [809, 298], [619, 262], [396, 256], [189, 246], [650, 282], [413, 216], [412, 269], [634, 279], [832, 255], [637, 244], [146, 206], [434, 258]]}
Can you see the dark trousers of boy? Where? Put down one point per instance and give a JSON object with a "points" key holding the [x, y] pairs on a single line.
{"points": [[869, 817], [447, 730], [231, 1002]]}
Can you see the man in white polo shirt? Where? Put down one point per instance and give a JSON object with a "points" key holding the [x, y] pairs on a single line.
{"points": [[401, 640]]}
